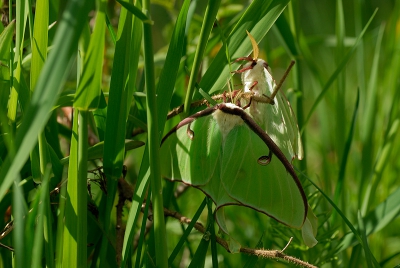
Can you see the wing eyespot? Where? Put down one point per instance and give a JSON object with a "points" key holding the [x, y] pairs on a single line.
{"points": [[264, 160], [190, 132]]}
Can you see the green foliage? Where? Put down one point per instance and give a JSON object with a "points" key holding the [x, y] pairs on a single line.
{"points": [[58, 209]]}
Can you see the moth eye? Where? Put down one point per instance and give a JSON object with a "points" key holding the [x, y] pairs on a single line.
{"points": [[254, 63], [264, 160]]}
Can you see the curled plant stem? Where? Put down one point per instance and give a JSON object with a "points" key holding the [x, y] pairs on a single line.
{"points": [[288, 243]]}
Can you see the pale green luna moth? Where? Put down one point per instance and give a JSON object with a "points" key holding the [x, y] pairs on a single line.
{"points": [[224, 153]]}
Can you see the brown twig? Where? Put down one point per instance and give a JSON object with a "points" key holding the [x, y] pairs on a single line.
{"points": [[274, 254], [279, 85]]}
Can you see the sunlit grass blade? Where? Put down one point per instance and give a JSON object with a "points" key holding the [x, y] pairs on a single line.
{"points": [[5, 41], [87, 96], [39, 56], [21, 17], [70, 237], [50, 82], [209, 18]]}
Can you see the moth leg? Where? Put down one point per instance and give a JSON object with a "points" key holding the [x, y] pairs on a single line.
{"points": [[248, 105], [243, 59], [255, 83], [190, 132], [224, 96], [265, 159]]}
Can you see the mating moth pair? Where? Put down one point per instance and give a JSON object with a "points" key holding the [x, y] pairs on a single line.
{"points": [[242, 155]]}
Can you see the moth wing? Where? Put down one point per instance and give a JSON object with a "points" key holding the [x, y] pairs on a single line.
{"points": [[193, 161], [290, 120], [267, 188]]}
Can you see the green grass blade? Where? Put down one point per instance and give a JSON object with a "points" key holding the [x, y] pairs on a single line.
{"points": [[381, 163], [347, 222], [82, 188], [21, 16], [199, 257], [342, 170], [211, 12], [121, 88], [183, 238], [87, 96], [169, 73], [154, 143], [48, 233], [377, 219], [210, 219], [5, 41], [368, 121], [117, 106], [70, 238], [252, 260], [50, 82], [367, 252], [338, 70], [20, 213], [142, 235], [59, 249], [100, 117], [164, 91], [40, 40], [135, 11], [40, 223]]}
